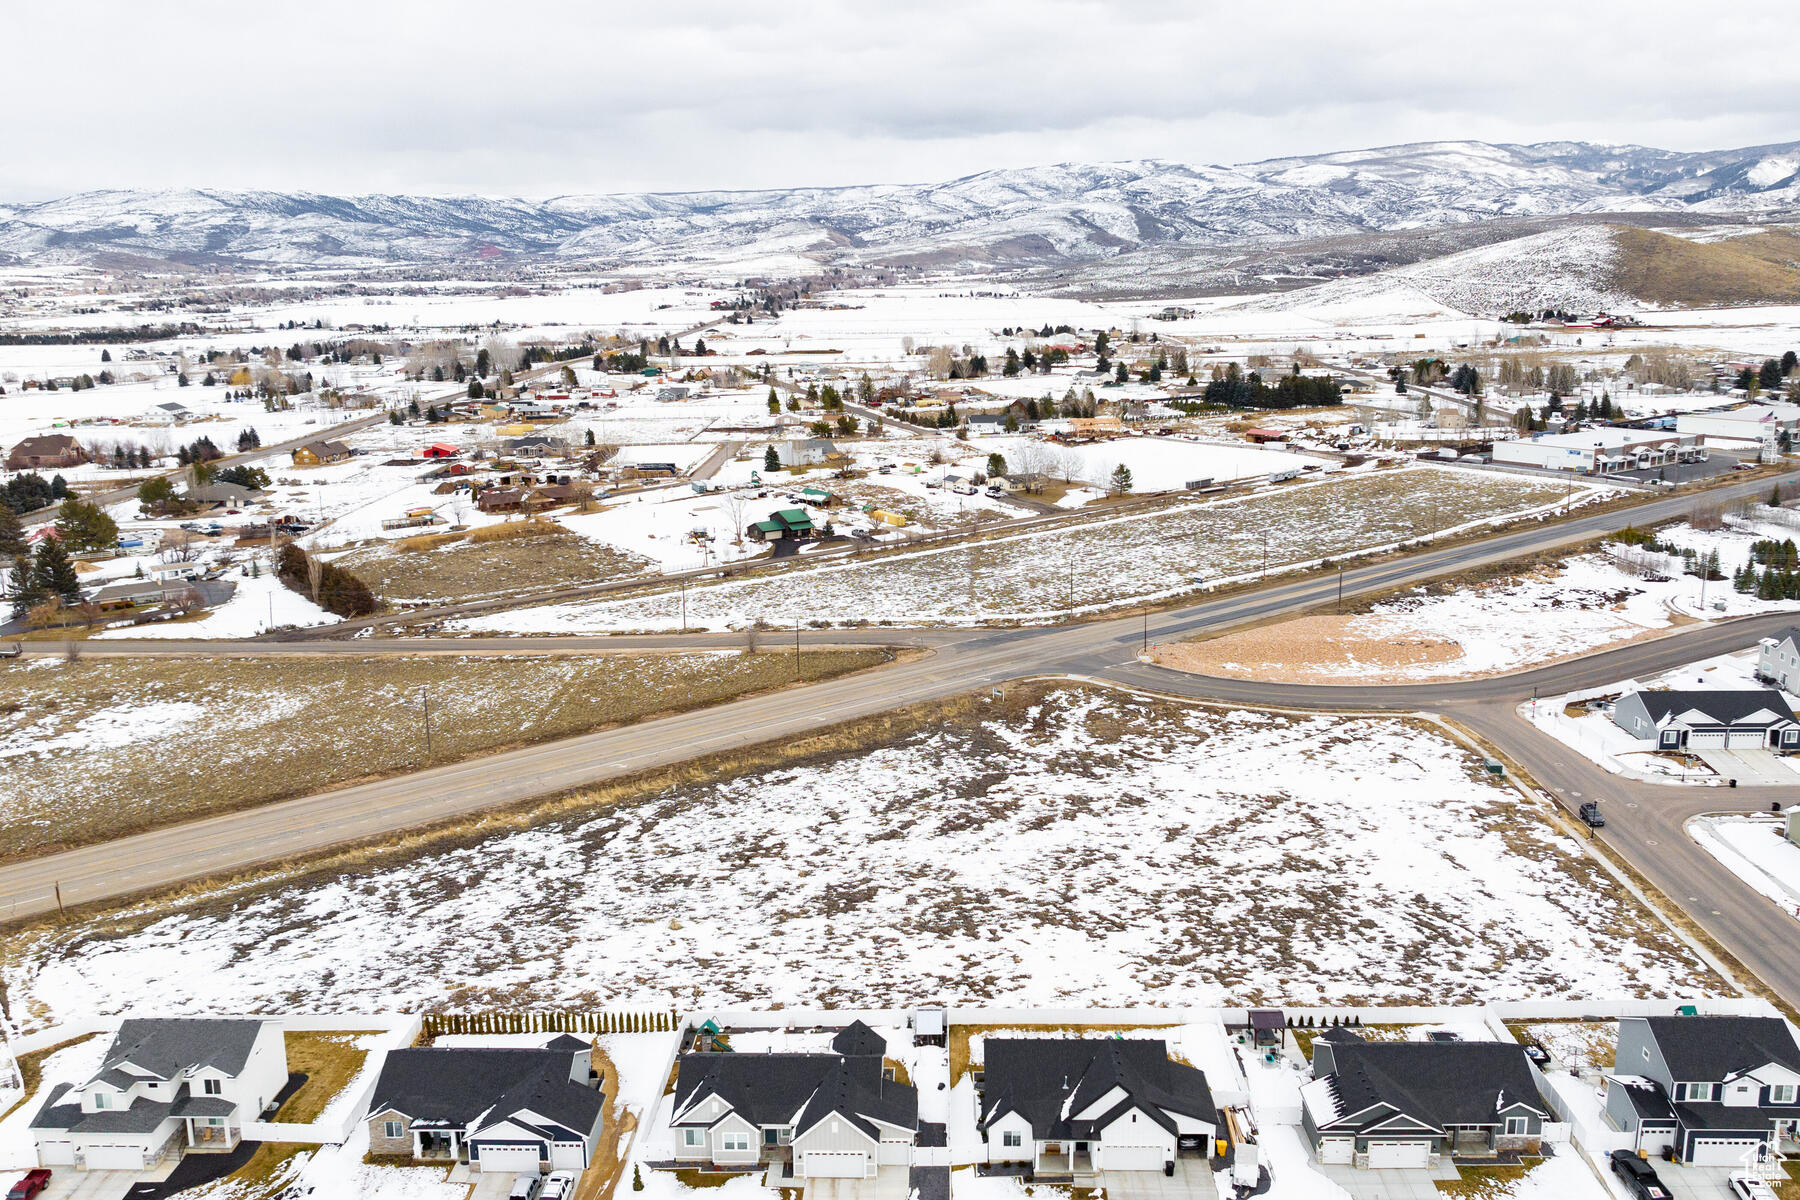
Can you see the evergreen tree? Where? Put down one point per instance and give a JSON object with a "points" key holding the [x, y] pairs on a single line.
{"points": [[27, 592], [996, 465], [1121, 480], [774, 402], [771, 460], [55, 574], [12, 533]]}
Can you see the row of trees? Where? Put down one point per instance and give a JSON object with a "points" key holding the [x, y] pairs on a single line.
{"points": [[331, 587]]}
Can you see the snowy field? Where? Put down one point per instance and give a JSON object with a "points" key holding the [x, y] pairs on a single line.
{"points": [[1591, 602], [1223, 857], [1086, 566]]}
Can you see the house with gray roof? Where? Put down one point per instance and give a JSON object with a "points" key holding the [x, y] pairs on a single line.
{"points": [[165, 1088], [825, 1115], [1778, 659], [500, 1110], [1072, 1107], [1408, 1104], [1719, 1091], [1726, 719]]}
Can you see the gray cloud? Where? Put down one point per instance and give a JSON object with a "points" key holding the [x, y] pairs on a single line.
{"points": [[546, 96]]}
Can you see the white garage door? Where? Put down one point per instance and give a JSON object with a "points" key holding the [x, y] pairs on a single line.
{"points": [[1336, 1150], [567, 1156], [114, 1158], [1655, 1141], [1399, 1154], [836, 1164], [1714, 740], [1132, 1158], [56, 1154], [1746, 739], [494, 1157], [1724, 1152]]}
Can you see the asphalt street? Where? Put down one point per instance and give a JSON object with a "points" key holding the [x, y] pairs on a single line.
{"points": [[1644, 820]]}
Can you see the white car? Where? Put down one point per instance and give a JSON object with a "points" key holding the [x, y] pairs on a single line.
{"points": [[1750, 1187], [560, 1186]]}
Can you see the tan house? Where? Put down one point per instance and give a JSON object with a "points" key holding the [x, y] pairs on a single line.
{"points": [[316, 454], [52, 450]]}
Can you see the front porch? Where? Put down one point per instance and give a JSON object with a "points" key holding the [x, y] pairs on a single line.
{"points": [[212, 1135], [439, 1145]]}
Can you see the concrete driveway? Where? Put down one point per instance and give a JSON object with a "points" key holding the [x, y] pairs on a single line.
{"points": [[66, 1183], [890, 1183], [1193, 1180], [1696, 1183], [1406, 1184], [490, 1186], [1751, 768]]}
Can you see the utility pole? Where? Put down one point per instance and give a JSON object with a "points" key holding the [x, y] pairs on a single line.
{"points": [[681, 581], [1146, 629], [1340, 590], [796, 647], [425, 697]]}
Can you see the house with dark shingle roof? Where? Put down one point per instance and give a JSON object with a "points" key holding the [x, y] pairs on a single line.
{"points": [[826, 1115], [507, 1110], [1737, 719], [1406, 1104], [165, 1088], [315, 454], [1076, 1106], [1719, 1091], [46, 450]]}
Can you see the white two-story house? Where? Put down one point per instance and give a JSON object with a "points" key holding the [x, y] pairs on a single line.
{"points": [[1718, 1090], [165, 1088]]}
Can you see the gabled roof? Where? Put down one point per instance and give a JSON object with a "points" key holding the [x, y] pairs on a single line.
{"points": [[1050, 1081], [471, 1087], [857, 1038], [793, 1089], [325, 449], [1713, 1048], [161, 1048], [1435, 1083], [1790, 634], [1722, 707]]}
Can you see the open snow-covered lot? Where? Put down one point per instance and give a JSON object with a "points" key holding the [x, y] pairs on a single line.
{"points": [[101, 747], [1081, 566], [1153, 852], [1757, 851]]}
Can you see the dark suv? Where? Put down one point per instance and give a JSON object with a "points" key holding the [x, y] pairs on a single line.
{"points": [[1639, 1176]]}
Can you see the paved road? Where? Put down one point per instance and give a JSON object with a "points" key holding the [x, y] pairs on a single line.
{"points": [[1645, 829]]}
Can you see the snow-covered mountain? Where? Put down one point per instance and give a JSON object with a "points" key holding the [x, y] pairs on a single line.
{"points": [[1068, 213]]}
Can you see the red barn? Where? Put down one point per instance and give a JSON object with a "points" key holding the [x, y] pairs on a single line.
{"points": [[439, 450]]}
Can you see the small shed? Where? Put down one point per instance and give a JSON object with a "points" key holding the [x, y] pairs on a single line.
{"points": [[1793, 824], [929, 1026], [1266, 1026]]}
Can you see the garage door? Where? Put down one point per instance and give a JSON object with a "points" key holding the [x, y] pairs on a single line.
{"points": [[1336, 1150], [1724, 1152], [56, 1154], [114, 1158], [836, 1164], [567, 1156], [1399, 1154], [1132, 1158], [1655, 1141], [1713, 740], [494, 1156], [1746, 740]]}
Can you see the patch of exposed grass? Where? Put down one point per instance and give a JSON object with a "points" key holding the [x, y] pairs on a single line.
{"points": [[514, 556], [268, 1172], [329, 1061], [115, 746], [1487, 1182], [1663, 269]]}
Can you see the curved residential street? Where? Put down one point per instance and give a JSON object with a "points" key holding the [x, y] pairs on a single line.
{"points": [[1644, 820]]}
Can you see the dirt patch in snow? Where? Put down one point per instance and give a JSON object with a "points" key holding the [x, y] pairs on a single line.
{"points": [[1316, 649]]}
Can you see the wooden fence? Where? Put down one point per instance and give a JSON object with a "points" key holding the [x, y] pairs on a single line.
{"points": [[588, 1021]]}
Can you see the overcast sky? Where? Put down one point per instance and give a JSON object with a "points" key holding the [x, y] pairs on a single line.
{"points": [[541, 98]]}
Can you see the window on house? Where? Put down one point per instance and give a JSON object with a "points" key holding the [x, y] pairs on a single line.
{"points": [[737, 1141], [212, 1087], [693, 1137], [393, 1129], [1781, 1093], [1012, 1137], [1694, 1092], [1517, 1125], [102, 1100]]}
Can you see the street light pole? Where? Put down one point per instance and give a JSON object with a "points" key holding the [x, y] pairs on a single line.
{"points": [[425, 697]]}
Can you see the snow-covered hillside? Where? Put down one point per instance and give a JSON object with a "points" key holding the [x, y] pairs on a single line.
{"points": [[1062, 213], [1567, 268]]}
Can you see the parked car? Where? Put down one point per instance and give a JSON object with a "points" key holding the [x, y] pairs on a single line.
{"points": [[1639, 1176], [560, 1186], [1750, 1187], [1590, 814], [526, 1187], [35, 1181]]}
